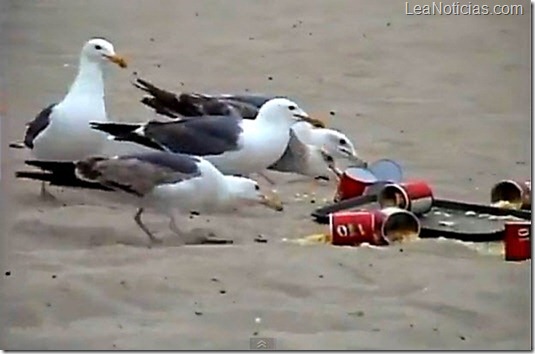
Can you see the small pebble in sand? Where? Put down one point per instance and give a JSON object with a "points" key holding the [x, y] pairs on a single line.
{"points": [[270, 78], [260, 239], [470, 213], [215, 280], [332, 113], [257, 320], [297, 195], [222, 292], [54, 276], [462, 337], [320, 276], [8, 273], [446, 223], [65, 65], [198, 313]]}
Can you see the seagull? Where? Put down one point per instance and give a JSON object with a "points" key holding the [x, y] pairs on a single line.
{"points": [[162, 181], [61, 132], [333, 143], [233, 144]]}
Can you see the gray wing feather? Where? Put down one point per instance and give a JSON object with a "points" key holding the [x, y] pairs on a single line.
{"points": [[294, 158], [140, 173], [36, 126], [201, 136]]}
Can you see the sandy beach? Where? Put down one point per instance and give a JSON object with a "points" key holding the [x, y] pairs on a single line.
{"points": [[446, 96]]}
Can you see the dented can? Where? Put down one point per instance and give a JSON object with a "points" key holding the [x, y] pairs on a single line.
{"points": [[511, 193], [375, 227], [415, 196]]}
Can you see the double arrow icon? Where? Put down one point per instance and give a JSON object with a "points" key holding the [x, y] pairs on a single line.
{"points": [[261, 344]]}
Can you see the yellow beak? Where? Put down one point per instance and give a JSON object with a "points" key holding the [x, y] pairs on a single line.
{"points": [[117, 60], [318, 123], [273, 202]]}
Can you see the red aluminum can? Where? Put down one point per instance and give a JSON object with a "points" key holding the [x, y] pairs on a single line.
{"points": [[415, 196], [354, 182], [517, 240], [518, 193], [376, 227]]}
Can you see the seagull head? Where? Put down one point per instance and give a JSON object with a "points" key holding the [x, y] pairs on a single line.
{"points": [[285, 111], [244, 191], [100, 50], [338, 145]]}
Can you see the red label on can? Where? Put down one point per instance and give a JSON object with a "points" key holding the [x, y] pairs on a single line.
{"points": [[517, 240], [354, 228]]}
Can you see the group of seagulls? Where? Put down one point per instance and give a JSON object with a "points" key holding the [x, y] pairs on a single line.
{"points": [[202, 156]]}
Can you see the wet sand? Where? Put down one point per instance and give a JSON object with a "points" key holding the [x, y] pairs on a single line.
{"points": [[447, 96]]}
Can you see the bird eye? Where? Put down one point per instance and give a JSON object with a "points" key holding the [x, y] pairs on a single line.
{"points": [[98, 47], [257, 187], [291, 108], [343, 141]]}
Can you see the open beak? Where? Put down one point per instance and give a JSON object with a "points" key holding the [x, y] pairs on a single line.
{"points": [[273, 202], [117, 60], [318, 123]]}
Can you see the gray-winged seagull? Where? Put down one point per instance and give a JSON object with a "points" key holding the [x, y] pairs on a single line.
{"points": [[333, 142], [61, 131], [165, 182], [233, 144]]}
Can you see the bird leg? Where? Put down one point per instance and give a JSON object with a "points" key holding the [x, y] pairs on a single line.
{"points": [[269, 180], [139, 223], [173, 226], [45, 194]]}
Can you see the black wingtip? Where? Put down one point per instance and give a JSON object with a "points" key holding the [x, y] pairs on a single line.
{"points": [[17, 145]]}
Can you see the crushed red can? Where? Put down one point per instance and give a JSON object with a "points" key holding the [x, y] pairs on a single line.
{"points": [[512, 193], [356, 181], [517, 240], [375, 227], [415, 196]]}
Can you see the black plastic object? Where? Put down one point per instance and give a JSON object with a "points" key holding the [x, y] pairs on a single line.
{"points": [[447, 218]]}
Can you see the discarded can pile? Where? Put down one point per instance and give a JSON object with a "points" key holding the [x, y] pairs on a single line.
{"points": [[400, 207]]}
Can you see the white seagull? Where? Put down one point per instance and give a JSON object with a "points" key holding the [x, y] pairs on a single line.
{"points": [[233, 144], [61, 131], [165, 182]]}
